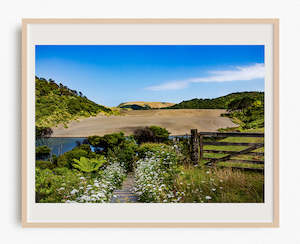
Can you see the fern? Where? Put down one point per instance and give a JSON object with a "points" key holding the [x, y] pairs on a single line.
{"points": [[88, 165]]}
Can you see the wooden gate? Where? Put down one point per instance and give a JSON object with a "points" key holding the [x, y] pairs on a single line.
{"points": [[198, 141]]}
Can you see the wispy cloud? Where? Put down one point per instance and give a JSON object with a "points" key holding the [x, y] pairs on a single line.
{"points": [[239, 73]]}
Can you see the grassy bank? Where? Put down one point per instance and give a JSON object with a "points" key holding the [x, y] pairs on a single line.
{"points": [[219, 185]]}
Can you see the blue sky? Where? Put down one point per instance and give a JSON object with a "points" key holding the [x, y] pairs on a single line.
{"points": [[110, 75]]}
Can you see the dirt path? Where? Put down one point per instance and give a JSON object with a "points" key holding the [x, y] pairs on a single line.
{"points": [[177, 121], [125, 194]]}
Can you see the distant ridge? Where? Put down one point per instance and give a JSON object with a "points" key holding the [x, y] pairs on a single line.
{"points": [[140, 105]]}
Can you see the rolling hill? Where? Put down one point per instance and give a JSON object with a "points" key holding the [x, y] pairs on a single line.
{"points": [[145, 105]]}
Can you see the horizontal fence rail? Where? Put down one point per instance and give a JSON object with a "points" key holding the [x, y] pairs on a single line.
{"points": [[198, 142], [231, 134], [261, 154], [221, 143]]}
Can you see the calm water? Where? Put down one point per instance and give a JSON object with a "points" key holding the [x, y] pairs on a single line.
{"points": [[59, 145]]}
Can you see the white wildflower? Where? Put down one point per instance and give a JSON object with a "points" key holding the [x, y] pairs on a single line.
{"points": [[74, 191]]}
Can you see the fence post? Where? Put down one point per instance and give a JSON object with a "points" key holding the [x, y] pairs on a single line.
{"points": [[194, 146], [201, 146]]}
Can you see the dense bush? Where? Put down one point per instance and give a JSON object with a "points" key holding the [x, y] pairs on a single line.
{"points": [[53, 186], [42, 152], [151, 134], [66, 159], [41, 131], [117, 147], [125, 152], [108, 141], [240, 103], [149, 148], [248, 111], [44, 164]]}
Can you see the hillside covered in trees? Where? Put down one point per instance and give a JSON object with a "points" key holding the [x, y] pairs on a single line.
{"points": [[56, 103], [216, 103]]}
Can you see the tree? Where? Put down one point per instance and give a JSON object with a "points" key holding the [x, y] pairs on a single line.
{"points": [[43, 132], [107, 141], [42, 152], [160, 134], [143, 135], [241, 103], [151, 134]]}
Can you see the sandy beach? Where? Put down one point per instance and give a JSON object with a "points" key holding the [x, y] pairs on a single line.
{"points": [[176, 121]]}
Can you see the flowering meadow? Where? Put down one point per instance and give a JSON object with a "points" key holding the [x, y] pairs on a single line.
{"points": [[74, 186], [155, 173]]}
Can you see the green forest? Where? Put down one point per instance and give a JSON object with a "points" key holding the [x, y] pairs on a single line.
{"points": [[57, 103]]}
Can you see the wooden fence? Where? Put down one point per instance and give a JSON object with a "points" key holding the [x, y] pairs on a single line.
{"points": [[198, 141]]}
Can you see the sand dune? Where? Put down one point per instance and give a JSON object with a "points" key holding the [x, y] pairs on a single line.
{"points": [[177, 121]]}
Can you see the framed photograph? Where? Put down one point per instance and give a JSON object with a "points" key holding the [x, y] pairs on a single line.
{"points": [[150, 123]]}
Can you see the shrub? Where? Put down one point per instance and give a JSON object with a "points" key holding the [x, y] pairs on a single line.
{"points": [[54, 159], [84, 147], [143, 135], [160, 134], [108, 141], [125, 153], [43, 132], [150, 148], [151, 134], [52, 187], [42, 152], [117, 147], [44, 164], [66, 160]]}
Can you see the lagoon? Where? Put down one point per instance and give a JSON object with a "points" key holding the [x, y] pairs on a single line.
{"points": [[60, 145]]}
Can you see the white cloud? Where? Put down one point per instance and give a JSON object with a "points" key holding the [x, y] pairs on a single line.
{"points": [[239, 73], [174, 85]]}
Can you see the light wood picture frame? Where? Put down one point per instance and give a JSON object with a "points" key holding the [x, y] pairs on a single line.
{"points": [[28, 114]]}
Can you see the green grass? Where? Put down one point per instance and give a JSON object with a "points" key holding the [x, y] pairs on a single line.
{"points": [[219, 185]]}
